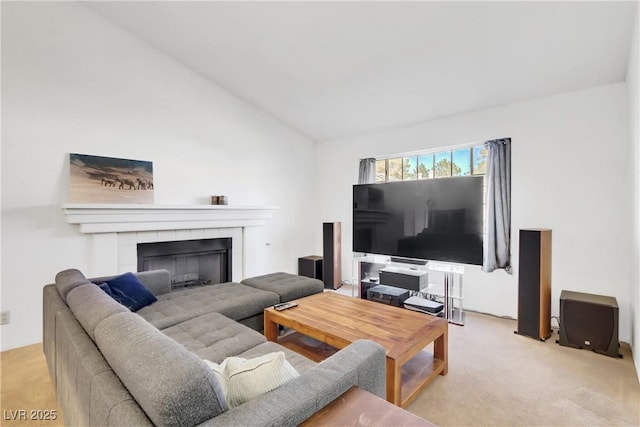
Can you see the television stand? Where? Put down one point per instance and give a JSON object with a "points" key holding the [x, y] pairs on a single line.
{"points": [[451, 290], [448, 291]]}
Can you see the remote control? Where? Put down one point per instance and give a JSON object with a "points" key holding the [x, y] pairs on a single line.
{"points": [[284, 305]]}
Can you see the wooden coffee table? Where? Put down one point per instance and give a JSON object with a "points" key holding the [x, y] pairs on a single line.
{"points": [[338, 320]]}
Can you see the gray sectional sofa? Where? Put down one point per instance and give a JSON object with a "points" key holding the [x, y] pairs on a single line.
{"points": [[111, 366]]}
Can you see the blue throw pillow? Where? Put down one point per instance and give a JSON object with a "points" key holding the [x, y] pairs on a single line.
{"points": [[129, 291], [105, 287]]}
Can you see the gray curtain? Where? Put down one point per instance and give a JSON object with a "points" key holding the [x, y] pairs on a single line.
{"points": [[497, 243], [367, 172]]}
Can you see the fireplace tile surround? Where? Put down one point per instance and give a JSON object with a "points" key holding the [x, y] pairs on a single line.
{"points": [[116, 230]]}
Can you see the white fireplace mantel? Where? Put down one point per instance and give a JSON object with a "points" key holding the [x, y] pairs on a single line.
{"points": [[117, 218], [116, 229]]}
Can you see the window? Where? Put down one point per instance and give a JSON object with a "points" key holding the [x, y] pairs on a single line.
{"points": [[394, 169], [425, 166], [461, 165], [381, 170], [460, 162], [479, 163], [443, 164], [409, 168]]}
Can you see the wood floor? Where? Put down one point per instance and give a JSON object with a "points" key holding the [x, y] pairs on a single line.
{"points": [[28, 397]]}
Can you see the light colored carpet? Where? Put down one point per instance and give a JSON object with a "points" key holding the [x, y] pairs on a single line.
{"points": [[499, 378]]}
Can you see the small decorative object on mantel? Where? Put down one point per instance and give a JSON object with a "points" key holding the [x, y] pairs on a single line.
{"points": [[218, 200], [96, 179]]}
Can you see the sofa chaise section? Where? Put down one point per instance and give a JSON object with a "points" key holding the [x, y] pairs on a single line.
{"points": [[234, 300], [288, 286]]}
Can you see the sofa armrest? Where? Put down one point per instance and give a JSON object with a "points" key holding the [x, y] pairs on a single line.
{"points": [[361, 364]]}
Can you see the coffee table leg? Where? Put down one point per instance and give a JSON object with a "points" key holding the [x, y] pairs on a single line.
{"points": [[441, 350], [394, 376], [270, 328]]}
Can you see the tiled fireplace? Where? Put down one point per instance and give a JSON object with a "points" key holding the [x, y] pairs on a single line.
{"points": [[117, 230]]}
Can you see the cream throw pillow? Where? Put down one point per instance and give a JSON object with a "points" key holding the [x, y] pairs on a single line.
{"points": [[243, 379]]}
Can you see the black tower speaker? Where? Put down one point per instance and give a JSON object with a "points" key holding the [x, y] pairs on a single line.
{"points": [[534, 284], [589, 321], [332, 254]]}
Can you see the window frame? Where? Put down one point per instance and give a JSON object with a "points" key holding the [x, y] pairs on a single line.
{"points": [[432, 153]]}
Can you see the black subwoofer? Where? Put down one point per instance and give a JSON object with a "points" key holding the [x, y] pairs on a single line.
{"points": [[589, 321], [310, 266]]}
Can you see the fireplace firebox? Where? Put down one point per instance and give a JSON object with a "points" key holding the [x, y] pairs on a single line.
{"points": [[190, 262]]}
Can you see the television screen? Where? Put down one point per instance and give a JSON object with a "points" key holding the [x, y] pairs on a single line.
{"points": [[433, 219]]}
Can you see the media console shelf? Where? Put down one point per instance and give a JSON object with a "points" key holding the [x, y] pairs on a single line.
{"points": [[368, 272], [448, 292]]}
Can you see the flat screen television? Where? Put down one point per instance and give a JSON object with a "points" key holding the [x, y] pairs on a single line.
{"points": [[433, 219]]}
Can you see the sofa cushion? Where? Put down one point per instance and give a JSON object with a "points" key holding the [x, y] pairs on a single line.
{"points": [[233, 300], [287, 286], [214, 337], [172, 385], [129, 291], [244, 379], [91, 306], [88, 391]]}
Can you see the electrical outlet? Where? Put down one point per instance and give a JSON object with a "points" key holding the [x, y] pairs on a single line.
{"points": [[5, 317]]}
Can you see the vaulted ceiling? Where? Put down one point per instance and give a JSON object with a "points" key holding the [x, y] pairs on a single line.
{"points": [[333, 69]]}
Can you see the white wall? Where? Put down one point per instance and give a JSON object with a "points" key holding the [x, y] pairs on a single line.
{"points": [[570, 172], [633, 89], [72, 82]]}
